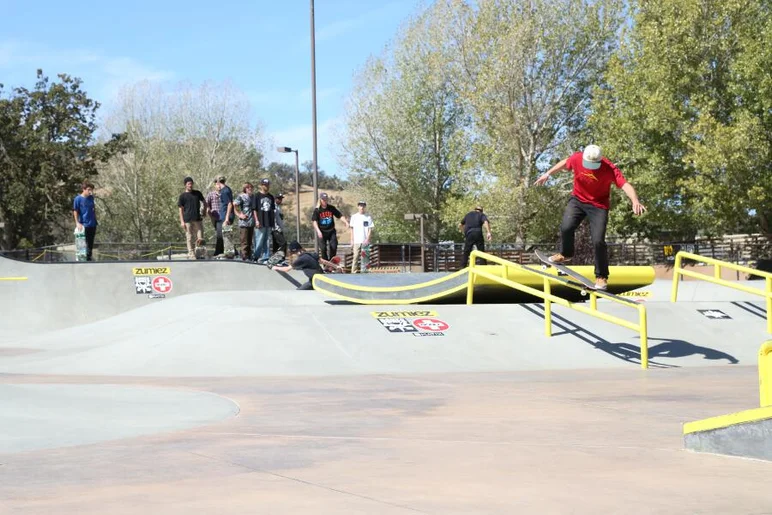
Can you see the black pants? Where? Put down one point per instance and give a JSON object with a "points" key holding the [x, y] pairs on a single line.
{"points": [[90, 235], [575, 212], [473, 238], [331, 238], [278, 242]]}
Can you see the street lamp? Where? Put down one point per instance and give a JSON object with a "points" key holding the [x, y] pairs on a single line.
{"points": [[420, 217], [286, 150], [313, 110]]}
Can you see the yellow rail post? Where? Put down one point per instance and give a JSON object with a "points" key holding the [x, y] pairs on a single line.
{"points": [[769, 304], [765, 374], [547, 308], [470, 282], [643, 324], [676, 278]]}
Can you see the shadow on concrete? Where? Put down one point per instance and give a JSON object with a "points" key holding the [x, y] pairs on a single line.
{"points": [[752, 308], [669, 348]]}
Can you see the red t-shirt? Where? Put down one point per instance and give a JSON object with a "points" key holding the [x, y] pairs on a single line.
{"points": [[594, 186]]}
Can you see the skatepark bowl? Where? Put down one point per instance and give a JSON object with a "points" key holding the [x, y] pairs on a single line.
{"points": [[218, 387]]}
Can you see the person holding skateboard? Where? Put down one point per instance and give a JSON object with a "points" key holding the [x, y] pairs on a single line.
{"points": [[84, 212], [593, 177], [472, 226], [361, 226], [308, 262]]}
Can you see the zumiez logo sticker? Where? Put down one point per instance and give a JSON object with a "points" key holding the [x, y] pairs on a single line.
{"points": [[403, 314], [160, 270]]}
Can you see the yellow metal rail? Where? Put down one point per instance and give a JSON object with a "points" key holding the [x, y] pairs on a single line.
{"points": [[549, 298], [765, 374], [13, 278], [716, 279]]}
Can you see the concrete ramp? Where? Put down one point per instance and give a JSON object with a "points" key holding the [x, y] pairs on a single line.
{"points": [[747, 434], [59, 295]]}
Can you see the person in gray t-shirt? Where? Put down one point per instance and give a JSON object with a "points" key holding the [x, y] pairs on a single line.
{"points": [[242, 206]]}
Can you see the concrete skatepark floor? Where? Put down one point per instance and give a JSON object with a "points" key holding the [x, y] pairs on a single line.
{"points": [[316, 408]]}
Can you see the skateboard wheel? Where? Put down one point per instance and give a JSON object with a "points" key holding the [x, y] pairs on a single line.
{"points": [[584, 293]]}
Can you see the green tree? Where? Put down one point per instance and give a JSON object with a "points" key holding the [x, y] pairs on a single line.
{"points": [[407, 146], [528, 68], [46, 151], [686, 110], [202, 132]]}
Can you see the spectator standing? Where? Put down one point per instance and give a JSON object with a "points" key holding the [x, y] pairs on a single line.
{"points": [[190, 203], [361, 225], [472, 226], [278, 239], [242, 206], [216, 215], [84, 212], [226, 200], [323, 219], [264, 207]]}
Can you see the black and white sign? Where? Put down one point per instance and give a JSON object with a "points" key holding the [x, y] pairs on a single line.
{"points": [[714, 314], [143, 285], [398, 325]]}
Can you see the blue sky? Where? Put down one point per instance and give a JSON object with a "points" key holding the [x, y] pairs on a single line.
{"points": [[261, 47]]}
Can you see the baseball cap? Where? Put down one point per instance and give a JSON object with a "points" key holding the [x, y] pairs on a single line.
{"points": [[294, 246], [591, 157], [187, 180], [265, 181], [361, 203], [220, 178], [324, 196], [280, 195], [478, 208]]}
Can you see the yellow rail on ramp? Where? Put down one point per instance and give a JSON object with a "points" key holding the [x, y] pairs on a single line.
{"points": [[546, 294], [678, 271]]}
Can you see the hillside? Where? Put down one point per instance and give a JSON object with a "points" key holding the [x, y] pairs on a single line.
{"points": [[347, 207]]}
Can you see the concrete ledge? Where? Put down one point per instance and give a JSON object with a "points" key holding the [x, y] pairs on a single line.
{"points": [[747, 433]]}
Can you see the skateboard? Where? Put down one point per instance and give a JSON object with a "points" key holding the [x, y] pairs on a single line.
{"points": [[229, 251], [277, 259], [364, 259], [332, 266], [200, 250], [81, 249], [564, 270]]}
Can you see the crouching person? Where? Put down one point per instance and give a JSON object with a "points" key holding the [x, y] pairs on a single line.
{"points": [[308, 262]]}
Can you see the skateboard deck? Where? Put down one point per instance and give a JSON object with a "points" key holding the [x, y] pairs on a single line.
{"points": [[200, 250], [364, 259], [81, 249], [332, 266], [564, 270], [229, 251]]}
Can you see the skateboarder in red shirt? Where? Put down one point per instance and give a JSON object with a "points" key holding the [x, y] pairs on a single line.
{"points": [[593, 177]]}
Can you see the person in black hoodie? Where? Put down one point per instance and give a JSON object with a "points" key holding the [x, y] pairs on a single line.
{"points": [[472, 226]]}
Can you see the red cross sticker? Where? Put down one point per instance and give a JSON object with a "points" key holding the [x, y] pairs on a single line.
{"points": [[162, 284], [430, 324]]}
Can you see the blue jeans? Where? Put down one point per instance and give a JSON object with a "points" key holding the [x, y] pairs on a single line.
{"points": [[261, 249]]}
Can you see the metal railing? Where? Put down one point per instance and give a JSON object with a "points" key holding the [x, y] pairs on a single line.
{"points": [[679, 271], [549, 298], [765, 374]]}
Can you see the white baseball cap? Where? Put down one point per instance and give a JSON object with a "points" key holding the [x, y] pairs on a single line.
{"points": [[591, 157]]}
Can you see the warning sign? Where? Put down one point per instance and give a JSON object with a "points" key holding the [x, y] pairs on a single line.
{"points": [[150, 270], [162, 284], [431, 325], [403, 314]]}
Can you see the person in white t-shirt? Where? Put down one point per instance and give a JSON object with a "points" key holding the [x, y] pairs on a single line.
{"points": [[361, 225]]}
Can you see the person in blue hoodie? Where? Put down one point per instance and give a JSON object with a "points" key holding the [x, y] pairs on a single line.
{"points": [[84, 213]]}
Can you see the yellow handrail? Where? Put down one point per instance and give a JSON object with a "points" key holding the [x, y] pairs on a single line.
{"points": [[765, 374], [716, 279], [549, 298]]}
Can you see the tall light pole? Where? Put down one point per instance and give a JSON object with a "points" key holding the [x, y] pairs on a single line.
{"points": [[286, 150], [313, 109]]}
